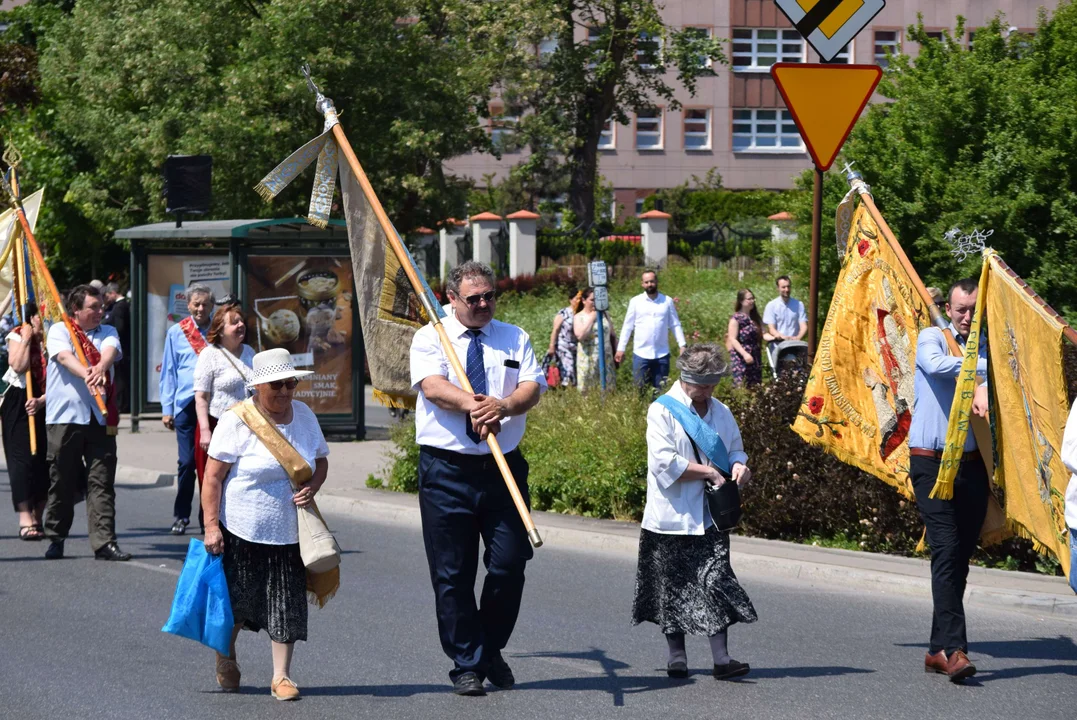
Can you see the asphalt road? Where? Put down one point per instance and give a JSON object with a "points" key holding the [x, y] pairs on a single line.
{"points": [[81, 639]]}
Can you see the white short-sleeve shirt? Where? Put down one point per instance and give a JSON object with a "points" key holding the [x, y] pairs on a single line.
{"points": [[785, 317], [224, 376], [256, 503], [69, 400], [11, 377], [509, 361]]}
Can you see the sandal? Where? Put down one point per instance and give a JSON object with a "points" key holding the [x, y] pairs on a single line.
{"points": [[31, 532]]}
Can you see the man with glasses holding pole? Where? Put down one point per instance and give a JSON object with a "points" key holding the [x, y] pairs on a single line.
{"points": [[462, 495]]}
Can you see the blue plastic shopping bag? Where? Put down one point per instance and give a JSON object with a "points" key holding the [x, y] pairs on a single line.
{"points": [[201, 609]]}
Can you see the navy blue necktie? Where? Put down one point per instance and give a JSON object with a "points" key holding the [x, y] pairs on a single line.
{"points": [[476, 375]]}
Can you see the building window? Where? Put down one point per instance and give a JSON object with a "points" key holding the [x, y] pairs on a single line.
{"points": [[503, 127], [756, 130], [594, 38], [608, 139], [547, 48], [649, 129], [639, 205], [886, 41], [756, 49], [648, 51], [703, 34], [846, 55], [697, 129], [972, 38], [935, 35]]}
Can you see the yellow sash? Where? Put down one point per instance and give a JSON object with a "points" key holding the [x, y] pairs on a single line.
{"points": [[321, 587]]}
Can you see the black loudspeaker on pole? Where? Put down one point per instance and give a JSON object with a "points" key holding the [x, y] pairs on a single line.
{"points": [[187, 180]]}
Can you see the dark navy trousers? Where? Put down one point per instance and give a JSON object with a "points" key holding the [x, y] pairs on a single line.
{"points": [[186, 420], [463, 498]]}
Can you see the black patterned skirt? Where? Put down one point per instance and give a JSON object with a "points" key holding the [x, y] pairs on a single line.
{"points": [[685, 584], [268, 587]]}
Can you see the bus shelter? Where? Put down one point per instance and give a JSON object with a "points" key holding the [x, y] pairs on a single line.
{"points": [[296, 288]]}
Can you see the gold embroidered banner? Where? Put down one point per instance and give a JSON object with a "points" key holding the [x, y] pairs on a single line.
{"points": [[858, 400], [1028, 404]]}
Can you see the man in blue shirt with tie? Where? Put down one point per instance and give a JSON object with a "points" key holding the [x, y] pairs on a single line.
{"points": [[462, 495], [953, 526], [183, 342]]}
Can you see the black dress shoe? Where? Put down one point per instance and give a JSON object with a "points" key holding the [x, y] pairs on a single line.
{"points": [[55, 551], [731, 669], [469, 684], [111, 551], [677, 669], [500, 674], [179, 527]]}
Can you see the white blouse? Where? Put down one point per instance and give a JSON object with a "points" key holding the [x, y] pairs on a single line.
{"points": [[256, 503], [11, 377], [674, 506], [216, 373]]}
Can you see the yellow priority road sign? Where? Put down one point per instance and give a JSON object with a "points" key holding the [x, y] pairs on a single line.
{"points": [[829, 25]]}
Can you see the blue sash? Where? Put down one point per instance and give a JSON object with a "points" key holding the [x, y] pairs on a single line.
{"points": [[704, 436]]}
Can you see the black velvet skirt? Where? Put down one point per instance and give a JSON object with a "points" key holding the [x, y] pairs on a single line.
{"points": [[268, 587], [685, 584]]}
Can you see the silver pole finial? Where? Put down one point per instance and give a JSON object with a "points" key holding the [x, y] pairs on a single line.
{"points": [[850, 174], [963, 245], [324, 104]]}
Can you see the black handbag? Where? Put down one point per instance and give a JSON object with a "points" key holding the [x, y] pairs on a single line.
{"points": [[723, 500]]}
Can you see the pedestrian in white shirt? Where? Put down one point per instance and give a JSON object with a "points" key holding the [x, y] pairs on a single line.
{"points": [[651, 316], [1069, 459], [684, 581], [784, 317]]}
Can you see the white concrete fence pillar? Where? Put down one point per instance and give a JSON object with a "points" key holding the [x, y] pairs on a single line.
{"points": [[523, 243], [483, 228], [654, 224], [451, 231]]}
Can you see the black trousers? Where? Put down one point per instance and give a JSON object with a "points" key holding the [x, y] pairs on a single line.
{"points": [[28, 473], [953, 530], [463, 498]]}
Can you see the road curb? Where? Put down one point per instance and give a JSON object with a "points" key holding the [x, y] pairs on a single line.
{"points": [[398, 508], [130, 477]]}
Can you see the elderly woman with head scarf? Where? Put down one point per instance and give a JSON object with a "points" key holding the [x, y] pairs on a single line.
{"points": [[250, 513], [684, 581]]}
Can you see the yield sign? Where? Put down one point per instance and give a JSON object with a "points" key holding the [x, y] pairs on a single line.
{"points": [[826, 101], [829, 25]]}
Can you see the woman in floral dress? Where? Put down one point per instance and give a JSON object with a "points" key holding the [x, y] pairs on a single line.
{"points": [[585, 326], [744, 340]]}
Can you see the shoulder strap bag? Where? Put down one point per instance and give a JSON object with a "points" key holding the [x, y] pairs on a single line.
{"points": [[317, 546]]}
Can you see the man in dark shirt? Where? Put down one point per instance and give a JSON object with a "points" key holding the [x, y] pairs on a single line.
{"points": [[118, 315]]}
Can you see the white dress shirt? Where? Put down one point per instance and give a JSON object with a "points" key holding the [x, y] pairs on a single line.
{"points": [[650, 321], [1069, 459], [503, 345], [69, 400], [674, 506], [11, 377]]}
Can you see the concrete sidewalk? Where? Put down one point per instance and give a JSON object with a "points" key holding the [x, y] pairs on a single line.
{"points": [[148, 459]]}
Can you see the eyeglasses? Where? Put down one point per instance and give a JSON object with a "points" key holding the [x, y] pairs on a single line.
{"points": [[473, 300], [291, 384]]}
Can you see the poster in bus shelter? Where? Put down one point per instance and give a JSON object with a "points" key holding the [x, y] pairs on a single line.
{"points": [[304, 304]]}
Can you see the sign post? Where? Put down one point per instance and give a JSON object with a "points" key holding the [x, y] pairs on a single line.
{"points": [[826, 101], [596, 278]]}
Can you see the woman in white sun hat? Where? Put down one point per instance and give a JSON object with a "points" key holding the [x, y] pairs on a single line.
{"points": [[250, 513]]}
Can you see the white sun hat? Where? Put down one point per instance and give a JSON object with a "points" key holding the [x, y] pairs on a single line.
{"points": [[276, 364]]}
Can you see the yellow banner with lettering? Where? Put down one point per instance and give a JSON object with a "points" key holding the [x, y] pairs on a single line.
{"points": [[1029, 408]]}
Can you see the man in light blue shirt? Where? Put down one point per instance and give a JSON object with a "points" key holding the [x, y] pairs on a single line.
{"points": [[79, 443], [183, 342], [953, 526], [784, 317]]}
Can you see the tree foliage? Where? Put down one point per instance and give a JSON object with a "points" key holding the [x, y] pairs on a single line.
{"points": [[125, 83], [974, 139]]}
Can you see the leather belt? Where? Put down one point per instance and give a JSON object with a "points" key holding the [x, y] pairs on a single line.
{"points": [[471, 462], [937, 454]]}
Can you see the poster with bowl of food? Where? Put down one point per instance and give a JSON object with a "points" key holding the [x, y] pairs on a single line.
{"points": [[305, 306]]}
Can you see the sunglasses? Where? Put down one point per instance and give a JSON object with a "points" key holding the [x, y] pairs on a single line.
{"points": [[291, 384], [473, 300]]}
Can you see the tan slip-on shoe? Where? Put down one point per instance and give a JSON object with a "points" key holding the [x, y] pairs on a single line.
{"points": [[227, 673], [284, 689]]}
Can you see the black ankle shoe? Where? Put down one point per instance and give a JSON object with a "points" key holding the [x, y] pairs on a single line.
{"points": [[677, 669], [180, 526], [731, 669], [55, 551], [469, 684], [500, 674], [111, 551]]}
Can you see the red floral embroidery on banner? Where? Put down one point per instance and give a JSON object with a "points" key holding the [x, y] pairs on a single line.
{"points": [[815, 405], [862, 247]]}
